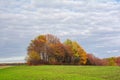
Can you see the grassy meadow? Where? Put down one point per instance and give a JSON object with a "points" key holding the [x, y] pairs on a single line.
{"points": [[54, 72]]}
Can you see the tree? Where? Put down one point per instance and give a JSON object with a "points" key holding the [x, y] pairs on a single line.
{"points": [[68, 42], [79, 54], [41, 45], [38, 45], [117, 61], [111, 61], [51, 39], [92, 60], [33, 58], [68, 58]]}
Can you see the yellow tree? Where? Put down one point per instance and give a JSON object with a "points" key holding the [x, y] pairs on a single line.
{"points": [[79, 54], [111, 61], [33, 58]]}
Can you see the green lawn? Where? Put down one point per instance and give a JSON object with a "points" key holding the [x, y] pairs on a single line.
{"points": [[50, 72]]}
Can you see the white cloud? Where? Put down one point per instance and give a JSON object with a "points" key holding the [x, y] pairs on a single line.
{"points": [[113, 51], [100, 46], [91, 22], [12, 59]]}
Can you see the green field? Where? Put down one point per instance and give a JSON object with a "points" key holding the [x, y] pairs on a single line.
{"points": [[51, 72]]}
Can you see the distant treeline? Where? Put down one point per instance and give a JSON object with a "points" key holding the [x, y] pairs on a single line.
{"points": [[111, 61], [48, 49], [11, 64]]}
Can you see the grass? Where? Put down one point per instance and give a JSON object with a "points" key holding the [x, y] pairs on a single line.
{"points": [[51, 72], [1, 67]]}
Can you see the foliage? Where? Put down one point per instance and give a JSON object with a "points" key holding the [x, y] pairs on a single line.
{"points": [[117, 61], [33, 58], [47, 49], [79, 55], [92, 60], [52, 51], [111, 61]]}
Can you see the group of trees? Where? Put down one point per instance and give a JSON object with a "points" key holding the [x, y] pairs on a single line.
{"points": [[112, 61], [47, 49]]}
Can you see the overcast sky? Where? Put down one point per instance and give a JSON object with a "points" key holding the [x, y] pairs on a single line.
{"points": [[95, 24]]}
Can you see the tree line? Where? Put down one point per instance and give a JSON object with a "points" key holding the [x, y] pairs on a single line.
{"points": [[111, 61], [48, 49]]}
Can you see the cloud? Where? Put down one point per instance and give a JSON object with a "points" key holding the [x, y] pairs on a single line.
{"points": [[113, 51], [12, 59], [95, 24], [100, 46]]}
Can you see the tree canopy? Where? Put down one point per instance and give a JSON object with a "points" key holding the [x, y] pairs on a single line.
{"points": [[47, 49]]}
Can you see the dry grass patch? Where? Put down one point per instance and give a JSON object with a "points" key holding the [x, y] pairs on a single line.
{"points": [[1, 67]]}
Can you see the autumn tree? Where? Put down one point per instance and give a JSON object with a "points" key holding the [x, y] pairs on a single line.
{"points": [[51, 39], [117, 61], [68, 58], [38, 45], [93, 60], [33, 58], [42, 45], [79, 54], [111, 61]]}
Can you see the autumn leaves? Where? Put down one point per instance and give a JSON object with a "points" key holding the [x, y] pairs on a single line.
{"points": [[47, 49]]}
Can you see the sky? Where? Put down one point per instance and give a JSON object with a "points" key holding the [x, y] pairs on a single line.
{"points": [[94, 24]]}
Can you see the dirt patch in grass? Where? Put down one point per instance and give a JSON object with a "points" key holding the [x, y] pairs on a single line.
{"points": [[1, 67]]}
